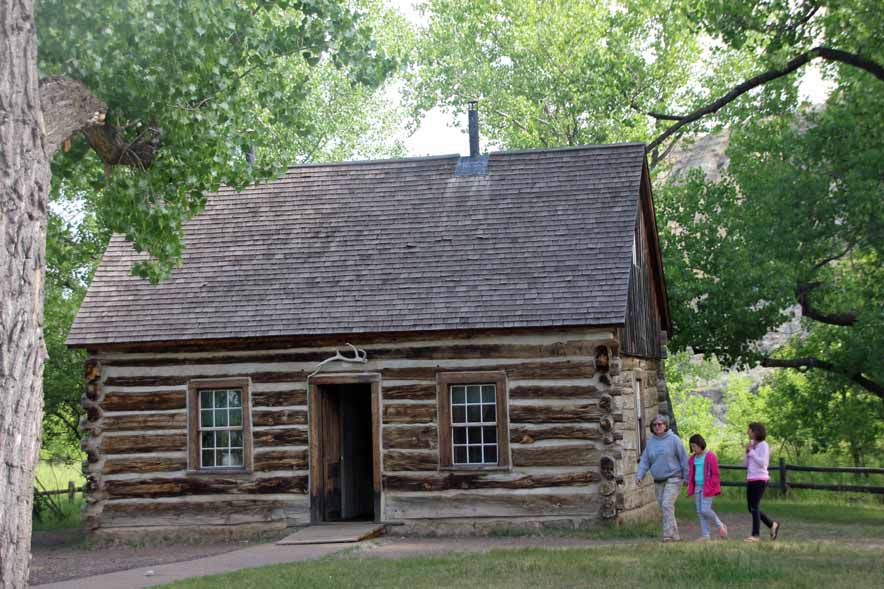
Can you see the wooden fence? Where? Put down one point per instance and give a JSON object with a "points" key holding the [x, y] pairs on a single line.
{"points": [[71, 491], [784, 484]]}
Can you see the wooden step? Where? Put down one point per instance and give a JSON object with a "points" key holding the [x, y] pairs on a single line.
{"points": [[334, 533]]}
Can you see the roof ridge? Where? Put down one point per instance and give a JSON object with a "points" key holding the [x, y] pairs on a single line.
{"points": [[582, 147]]}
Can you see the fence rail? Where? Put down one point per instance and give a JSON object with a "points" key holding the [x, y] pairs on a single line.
{"points": [[71, 491], [784, 485]]}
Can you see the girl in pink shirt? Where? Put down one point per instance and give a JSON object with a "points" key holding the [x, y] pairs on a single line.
{"points": [[755, 460], [704, 483]]}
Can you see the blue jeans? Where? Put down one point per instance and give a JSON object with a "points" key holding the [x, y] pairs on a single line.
{"points": [[705, 513]]}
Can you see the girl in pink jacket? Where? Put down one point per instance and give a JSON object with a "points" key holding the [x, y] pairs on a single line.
{"points": [[704, 483]]}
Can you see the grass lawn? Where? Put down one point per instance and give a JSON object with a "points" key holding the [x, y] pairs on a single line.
{"points": [[56, 474], [809, 555], [730, 564], [52, 475]]}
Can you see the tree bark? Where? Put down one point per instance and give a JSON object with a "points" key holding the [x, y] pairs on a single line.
{"points": [[24, 189], [35, 119], [68, 106]]}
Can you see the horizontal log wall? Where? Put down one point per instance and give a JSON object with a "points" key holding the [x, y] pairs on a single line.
{"points": [[562, 425]]}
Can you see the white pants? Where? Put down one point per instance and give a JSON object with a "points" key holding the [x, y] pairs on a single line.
{"points": [[667, 493]]}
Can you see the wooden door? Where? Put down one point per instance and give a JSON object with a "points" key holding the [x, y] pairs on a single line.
{"points": [[330, 446]]}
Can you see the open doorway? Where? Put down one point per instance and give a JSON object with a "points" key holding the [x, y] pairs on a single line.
{"points": [[344, 468]]}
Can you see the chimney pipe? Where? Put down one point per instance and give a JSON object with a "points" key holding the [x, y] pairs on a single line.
{"points": [[474, 129]]}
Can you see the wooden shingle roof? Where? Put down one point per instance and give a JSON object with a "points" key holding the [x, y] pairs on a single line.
{"points": [[544, 239]]}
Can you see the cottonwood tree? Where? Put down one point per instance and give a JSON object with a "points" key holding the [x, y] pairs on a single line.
{"points": [[550, 74], [159, 102], [795, 225], [553, 74], [793, 222]]}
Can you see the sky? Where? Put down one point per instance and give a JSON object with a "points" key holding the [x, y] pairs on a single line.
{"points": [[439, 134]]}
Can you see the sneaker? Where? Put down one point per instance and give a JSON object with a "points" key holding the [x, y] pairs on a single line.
{"points": [[672, 539], [775, 530], [722, 531], [752, 539], [702, 539]]}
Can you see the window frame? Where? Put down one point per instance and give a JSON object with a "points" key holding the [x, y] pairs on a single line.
{"points": [[444, 380], [194, 387], [639, 416]]}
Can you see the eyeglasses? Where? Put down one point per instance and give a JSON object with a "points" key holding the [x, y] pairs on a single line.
{"points": [[656, 423]]}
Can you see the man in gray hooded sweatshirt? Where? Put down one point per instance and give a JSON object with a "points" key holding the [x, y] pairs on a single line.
{"points": [[667, 461]]}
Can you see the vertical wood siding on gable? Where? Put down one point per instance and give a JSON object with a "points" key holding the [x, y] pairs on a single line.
{"points": [[641, 333]]}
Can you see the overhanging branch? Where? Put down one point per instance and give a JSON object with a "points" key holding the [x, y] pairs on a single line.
{"points": [[798, 61], [804, 364], [802, 293], [114, 150], [68, 106]]}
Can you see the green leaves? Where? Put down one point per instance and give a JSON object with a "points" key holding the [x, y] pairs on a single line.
{"points": [[197, 84], [556, 73], [800, 206]]}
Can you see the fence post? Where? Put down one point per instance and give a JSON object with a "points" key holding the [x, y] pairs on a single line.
{"points": [[784, 489], [72, 491]]}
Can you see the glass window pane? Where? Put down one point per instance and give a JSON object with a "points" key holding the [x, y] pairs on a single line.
{"points": [[474, 435], [474, 413], [235, 417], [458, 414], [475, 454], [228, 458], [222, 439], [220, 417], [491, 454], [234, 399], [206, 418], [236, 458], [474, 394], [208, 440], [460, 435], [220, 399], [489, 413], [458, 395], [490, 433], [205, 399], [488, 393], [460, 455], [236, 439], [208, 457]]}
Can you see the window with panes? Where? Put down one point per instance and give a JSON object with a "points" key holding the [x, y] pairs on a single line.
{"points": [[473, 428], [221, 428], [219, 424], [474, 423]]}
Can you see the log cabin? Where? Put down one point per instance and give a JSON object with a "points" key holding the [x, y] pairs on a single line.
{"points": [[448, 344]]}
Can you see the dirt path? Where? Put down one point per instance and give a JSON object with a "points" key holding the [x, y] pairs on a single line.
{"points": [[61, 555]]}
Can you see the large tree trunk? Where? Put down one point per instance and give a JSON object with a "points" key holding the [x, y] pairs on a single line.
{"points": [[24, 188]]}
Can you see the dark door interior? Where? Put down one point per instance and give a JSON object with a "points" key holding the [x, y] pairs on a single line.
{"points": [[346, 452]]}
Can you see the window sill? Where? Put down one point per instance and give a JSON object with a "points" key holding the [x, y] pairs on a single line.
{"points": [[234, 472], [475, 468]]}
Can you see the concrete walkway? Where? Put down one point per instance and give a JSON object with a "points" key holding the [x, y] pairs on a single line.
{"points": [[254, 556], [266, 554]]}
